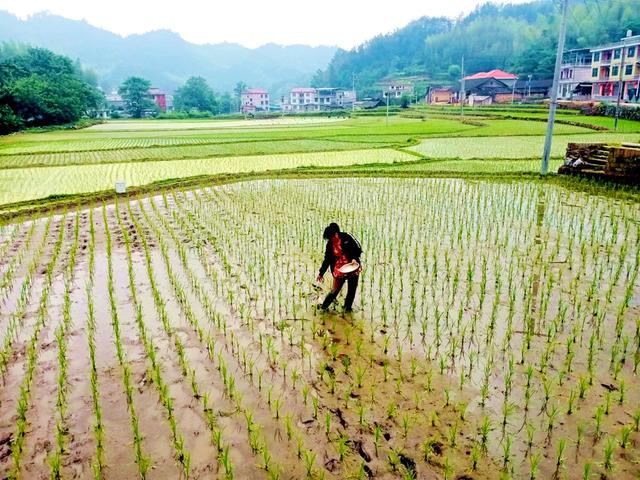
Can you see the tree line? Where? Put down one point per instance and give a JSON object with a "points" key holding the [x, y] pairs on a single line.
{"points": [[519, 38], [195, 98], [39, 88]]}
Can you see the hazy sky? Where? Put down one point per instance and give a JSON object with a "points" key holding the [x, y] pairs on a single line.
{"points": [[345, 23]]}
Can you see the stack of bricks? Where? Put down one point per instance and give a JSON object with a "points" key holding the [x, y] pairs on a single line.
{"points": [[624, 161]]}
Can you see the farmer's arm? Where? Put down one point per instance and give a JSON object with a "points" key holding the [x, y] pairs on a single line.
{"points": [[326, 262]]}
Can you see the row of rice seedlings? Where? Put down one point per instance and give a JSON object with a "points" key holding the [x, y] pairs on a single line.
{"points": [[95, 146], [142, 460], [16, 318], [10, 237], [24, 396], [182, 456], [257, 445], [98, 464], [55, 459], [9, 273], [217, 320], [270, 356], [187, 371]]}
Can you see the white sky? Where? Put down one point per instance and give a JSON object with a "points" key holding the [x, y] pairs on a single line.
{"points": [[250, 22]]}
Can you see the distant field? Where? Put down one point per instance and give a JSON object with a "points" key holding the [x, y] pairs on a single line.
{"points": [[177, 152], [484, 166], [134, 125], [541, 113], [361, 130], [20, 184], [36, 165], [508, 147]]}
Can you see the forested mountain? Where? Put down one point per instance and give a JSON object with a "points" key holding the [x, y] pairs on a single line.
{"points": [[520, 38], [164, 57]]}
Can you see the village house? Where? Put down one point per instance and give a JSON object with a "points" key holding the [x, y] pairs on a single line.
{"points": [[575, 75], [302, 99], [485, 88], [614, 63], [396, 88], [441, 95], [159, 97], [115, 102], [162, 100], [254, 100], [330, 98], [308, 99], [498, 86]]}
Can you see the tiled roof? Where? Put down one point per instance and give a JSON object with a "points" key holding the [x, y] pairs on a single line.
{"points": [[499, 74]]}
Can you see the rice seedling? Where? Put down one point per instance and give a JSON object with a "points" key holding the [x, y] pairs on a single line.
{"points": [[609, 449]]}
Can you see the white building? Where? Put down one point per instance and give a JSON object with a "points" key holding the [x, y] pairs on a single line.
{"points": [[308, 99]]}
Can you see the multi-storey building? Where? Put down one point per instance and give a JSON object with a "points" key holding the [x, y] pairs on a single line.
{"points": [[254, 100], [332, 98], [396, 88], [307, 99], [575, 75], [614, 64], [303, 99]]}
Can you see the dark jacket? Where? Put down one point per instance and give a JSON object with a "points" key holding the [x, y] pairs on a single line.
{"points": [[350, 247]]}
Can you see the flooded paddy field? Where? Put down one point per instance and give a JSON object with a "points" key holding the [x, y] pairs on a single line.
{"points": [[496, 334]]}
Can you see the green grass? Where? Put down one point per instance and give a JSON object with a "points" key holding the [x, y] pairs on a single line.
{"points": [[510, 127]]}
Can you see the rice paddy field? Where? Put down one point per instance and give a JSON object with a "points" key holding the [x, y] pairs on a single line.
{"points": [[35, 166], [175, 334]]}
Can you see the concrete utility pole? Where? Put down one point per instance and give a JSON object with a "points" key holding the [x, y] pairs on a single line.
{"points": [[463, 93], [554, 89], [353, 88], [621, 79], [386, 123]]}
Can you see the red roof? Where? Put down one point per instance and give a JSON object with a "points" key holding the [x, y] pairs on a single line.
{"points": [[499, 74]]}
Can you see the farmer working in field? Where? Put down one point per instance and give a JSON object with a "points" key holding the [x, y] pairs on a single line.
{"points": [[342, 256]]}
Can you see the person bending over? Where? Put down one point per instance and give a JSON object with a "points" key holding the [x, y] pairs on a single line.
{"points": [[342, 257]]}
